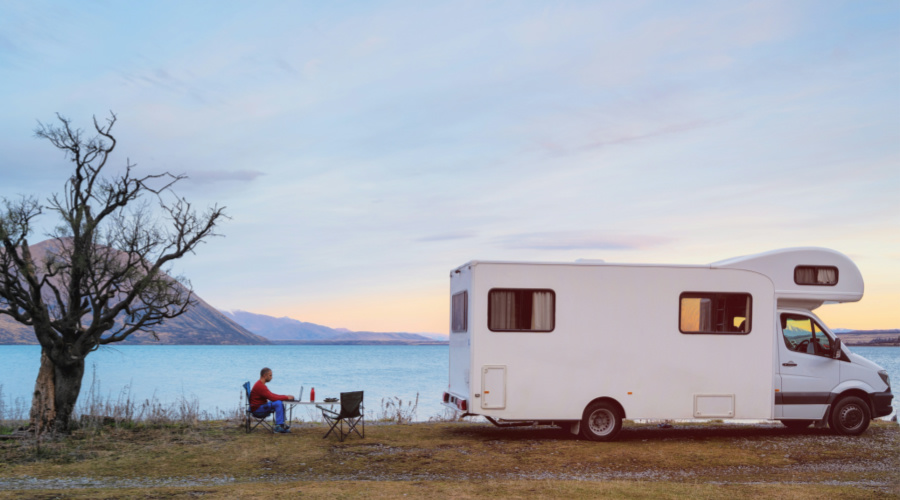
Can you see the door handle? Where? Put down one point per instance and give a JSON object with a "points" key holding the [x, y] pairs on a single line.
{"points": [[789, 363]]}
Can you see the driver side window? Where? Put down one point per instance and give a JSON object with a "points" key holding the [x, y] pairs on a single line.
{"points": [[802, 334]]}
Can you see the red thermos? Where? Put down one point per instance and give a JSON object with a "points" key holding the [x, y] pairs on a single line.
{"points": [[312, 394]]}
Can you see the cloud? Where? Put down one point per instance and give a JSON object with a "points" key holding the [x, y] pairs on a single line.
{"points": [[455, 235], [671, 129], [575, 240], [212, 176]]}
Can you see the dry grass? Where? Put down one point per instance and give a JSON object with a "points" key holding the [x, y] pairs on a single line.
{"points": [[12, 413], [394, 410], [459, 460], [94, 411], [468, 490]]}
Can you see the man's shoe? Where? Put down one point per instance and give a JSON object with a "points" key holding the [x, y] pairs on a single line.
{"points": [[282, 429]]}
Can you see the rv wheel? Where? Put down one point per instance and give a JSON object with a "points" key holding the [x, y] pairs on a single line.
{"points": [[601, 422], [850, 416]]}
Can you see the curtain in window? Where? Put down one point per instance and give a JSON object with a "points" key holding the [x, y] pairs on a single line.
{"points": [[827, 276], [503, 310], [459, 313], [542, 311], [805, 275], [706, 310]]}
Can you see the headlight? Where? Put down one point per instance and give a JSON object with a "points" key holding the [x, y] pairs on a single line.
{"points": [[885, 377]]}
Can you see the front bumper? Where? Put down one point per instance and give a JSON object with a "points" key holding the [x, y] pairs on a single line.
{"points": [[881, 403]]}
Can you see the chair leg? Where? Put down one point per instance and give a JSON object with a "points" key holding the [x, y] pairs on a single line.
{"points": [[333, 423], [252, 422], [353, 426]]}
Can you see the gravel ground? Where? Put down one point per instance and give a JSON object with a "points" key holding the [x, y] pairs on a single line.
{"points": [[886, 473]]}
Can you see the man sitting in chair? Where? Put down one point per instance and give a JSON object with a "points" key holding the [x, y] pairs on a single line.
{"points": [[263, 402]]}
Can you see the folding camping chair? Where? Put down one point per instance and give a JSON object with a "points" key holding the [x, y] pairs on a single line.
{"points": [[252, 421], [351, 412]]}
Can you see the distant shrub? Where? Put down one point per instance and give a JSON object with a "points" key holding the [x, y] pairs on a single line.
{"points": [[395, 411]]}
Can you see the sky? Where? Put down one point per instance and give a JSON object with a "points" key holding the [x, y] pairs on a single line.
{"points": [[365, 149]]}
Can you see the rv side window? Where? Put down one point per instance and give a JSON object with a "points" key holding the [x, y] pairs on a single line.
{"points": [[459, 317], [708, 312], [521, 310], [802, 334], [816, 275]]}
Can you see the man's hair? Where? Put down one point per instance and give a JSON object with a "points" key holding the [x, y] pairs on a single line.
{"points": [[263, 372]]}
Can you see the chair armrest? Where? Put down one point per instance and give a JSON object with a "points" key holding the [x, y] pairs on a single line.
{"points": [[327, 410]]}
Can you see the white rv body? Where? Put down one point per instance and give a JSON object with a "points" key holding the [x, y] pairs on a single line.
{"points": [[615, 336]]}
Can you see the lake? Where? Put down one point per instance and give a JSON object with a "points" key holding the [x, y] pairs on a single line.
{"points": [[214, 374]]}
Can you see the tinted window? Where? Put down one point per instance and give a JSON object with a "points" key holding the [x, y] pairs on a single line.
{"points": [[705, 312], [459, 314], [521, 310]]}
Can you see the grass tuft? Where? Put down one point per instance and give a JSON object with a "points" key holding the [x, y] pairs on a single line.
{"points": [[393, 410]]}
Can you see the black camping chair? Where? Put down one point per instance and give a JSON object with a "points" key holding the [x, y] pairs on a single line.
{"points": [[351, 412], [252, 421]]}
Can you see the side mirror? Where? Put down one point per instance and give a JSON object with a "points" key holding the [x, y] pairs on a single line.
{"points": [[836, 350]]}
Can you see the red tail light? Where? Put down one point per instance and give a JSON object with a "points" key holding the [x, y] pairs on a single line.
{"points": [[459, 403]]}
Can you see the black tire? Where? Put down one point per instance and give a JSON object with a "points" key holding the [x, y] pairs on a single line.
{"points": [[850, 416], [601, 421], [796, 425]]}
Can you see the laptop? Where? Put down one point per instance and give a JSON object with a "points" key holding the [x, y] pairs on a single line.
{"points": [[299, 396]]}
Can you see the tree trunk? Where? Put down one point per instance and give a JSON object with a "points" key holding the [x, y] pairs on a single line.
{"points": [[55, 393], [43, 404]]}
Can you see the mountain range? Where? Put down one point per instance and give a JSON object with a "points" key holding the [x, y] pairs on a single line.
{"points": [[206, 325], [289, 330]]}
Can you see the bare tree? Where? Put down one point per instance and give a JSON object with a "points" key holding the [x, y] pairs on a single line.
{"points": [[104, 275]]}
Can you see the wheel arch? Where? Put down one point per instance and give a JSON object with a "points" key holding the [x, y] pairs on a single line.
{"points": [[607, 399], [854, 391]]}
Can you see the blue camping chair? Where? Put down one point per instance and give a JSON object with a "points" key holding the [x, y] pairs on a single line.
{"points": [[252, 421]]}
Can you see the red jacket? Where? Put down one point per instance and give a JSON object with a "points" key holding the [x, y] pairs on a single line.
{"points": [[260, 394]]}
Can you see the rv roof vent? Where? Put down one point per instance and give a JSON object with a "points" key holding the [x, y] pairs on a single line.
{"points": [[590, 261]]}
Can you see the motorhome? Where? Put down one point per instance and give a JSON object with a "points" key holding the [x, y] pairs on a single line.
{"points": [[587, 344]]}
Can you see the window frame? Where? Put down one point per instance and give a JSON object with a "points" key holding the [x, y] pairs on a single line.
{"points": [[815, 268], [701, 295], [552, 315], [465, 311], [815, 327]]}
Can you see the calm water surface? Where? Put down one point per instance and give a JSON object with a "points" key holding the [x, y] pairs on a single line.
{"points": [[214, 374]]}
